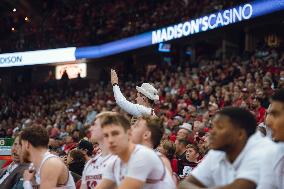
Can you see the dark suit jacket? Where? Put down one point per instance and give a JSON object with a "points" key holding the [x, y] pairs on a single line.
{"points": [[14, 176]]}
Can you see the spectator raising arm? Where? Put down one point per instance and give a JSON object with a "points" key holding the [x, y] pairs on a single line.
{"points": [[142, 106]]}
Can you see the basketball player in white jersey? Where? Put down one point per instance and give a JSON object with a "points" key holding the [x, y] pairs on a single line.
{"points": [[148, 131], [138, 167], [50, 171], [92, 173], [272, 168], [146, 96]]}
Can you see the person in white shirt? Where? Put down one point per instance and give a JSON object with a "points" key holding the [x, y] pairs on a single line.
{"points": [[146, 96], [148, 131], [50, 171], [236, 153], [272, 169], [94, 168], [138, 167]]}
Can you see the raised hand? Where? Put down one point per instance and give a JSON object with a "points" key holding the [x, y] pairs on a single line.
{"points": [[113, 77]]}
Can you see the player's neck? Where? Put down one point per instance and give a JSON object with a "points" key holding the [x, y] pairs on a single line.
{"points": [[125, 156], [37, 156], [103, 148], [233, 153], [148, 144]]}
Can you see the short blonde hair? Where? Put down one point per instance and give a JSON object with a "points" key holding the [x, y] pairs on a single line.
{"points": [[103, 114], [117, 119]]}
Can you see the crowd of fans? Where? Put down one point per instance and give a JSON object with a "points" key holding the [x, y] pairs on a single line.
{"points": [[189, 97], [63, 23]]}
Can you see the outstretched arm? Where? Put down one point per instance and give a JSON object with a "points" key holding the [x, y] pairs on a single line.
{"points": [[122, 102]]}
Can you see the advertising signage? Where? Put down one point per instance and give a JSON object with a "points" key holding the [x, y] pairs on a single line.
{"points": [[37, 57], [215, 20], [5, 146], [193, 26]]}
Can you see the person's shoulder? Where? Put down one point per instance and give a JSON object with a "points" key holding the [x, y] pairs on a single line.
{"points": [[143, 153], [54, 162], [140, 149], [215, 154], [260, 149], [257, 138], [260, 143], [160, 154]]}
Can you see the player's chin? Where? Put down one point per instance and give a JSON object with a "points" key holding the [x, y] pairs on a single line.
{"points": [[113, 149]]}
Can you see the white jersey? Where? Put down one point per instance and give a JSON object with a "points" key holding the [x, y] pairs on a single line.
{"points": [[133, 109], [70, 182], [144, 165], [272, 169], [216, 170], [92, 173]]}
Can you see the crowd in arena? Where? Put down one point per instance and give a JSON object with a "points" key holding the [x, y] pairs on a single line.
{"points": [[213, 123], [188, 99], [77, 23]]}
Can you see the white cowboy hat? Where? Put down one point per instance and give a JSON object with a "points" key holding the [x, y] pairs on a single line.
{"points": [[186, 126], [149, 91]]}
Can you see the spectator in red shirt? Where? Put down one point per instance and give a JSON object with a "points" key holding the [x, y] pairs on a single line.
{"points": [[69, 144], [258, 109]]}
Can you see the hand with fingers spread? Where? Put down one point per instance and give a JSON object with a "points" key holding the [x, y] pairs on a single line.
{"points": [[114, 78]]}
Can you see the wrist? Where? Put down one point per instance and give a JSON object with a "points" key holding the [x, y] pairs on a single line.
{"points": [[114, 84]]}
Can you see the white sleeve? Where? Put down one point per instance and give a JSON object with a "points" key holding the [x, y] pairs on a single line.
{"points": [[267, 174], [141, 166], [203, 170], [108, 172], [129, 107]]}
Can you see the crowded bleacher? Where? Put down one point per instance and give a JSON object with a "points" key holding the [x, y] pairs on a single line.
{"points": [[187, 95], [185, 106]]}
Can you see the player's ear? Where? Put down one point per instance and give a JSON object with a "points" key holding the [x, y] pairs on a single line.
{"points": [[147, 134]]}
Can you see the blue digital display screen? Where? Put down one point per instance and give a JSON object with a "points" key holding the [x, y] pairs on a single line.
{"points": [[211, 21]]}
